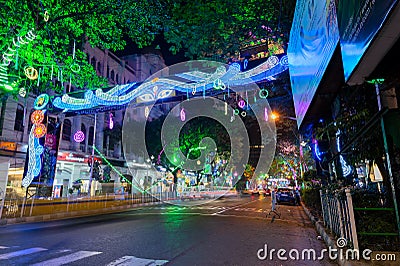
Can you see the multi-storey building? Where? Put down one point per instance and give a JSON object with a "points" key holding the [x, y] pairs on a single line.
{"points": [[72, 156]]}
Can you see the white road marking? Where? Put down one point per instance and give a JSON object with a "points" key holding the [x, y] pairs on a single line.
{"points": [[20, 253], [3, 247], [234, 207], [134, 261], [67, 258]]}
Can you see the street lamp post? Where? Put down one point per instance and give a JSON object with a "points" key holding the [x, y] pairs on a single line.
{"points": [[275, 116]]}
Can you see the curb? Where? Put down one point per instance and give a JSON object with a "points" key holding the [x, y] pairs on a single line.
{"points": [[77, 214], [325, 236], [72, 214]]}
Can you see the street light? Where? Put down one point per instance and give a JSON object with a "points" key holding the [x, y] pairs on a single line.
{"points": [[302, 143]]}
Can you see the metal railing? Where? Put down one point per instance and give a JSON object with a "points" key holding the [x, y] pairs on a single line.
{"points": [[338, 216]]}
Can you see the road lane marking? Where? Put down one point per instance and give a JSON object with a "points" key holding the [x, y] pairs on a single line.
{"points": [[3, 247], [134, 261], [20, 253], [235, 207], [67, 258]]}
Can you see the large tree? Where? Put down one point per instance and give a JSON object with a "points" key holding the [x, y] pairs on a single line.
{"points": [[44, 39], [200, 28]]}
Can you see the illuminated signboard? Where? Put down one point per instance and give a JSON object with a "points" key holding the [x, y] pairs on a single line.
{"points": [[359, 21], [313, 39]]}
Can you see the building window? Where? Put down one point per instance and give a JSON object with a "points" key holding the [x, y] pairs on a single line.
{"points": [[90, 137], [112, 74], [66, 132], [93, 62], [19, 118]]}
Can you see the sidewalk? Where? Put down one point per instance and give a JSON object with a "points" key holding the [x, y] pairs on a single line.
{"points": [[330, 241]]}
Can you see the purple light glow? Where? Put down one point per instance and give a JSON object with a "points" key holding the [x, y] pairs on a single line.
{"points": [[79, 136], [111, 123], [241, 103], [266, 114]]}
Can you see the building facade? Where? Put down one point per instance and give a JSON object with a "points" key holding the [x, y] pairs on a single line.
{"points": [[72, 162]]}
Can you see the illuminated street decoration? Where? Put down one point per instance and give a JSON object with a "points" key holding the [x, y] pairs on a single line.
{"points": [[41, 101], [183, 115], [263, 93], [34, 161], [46, 16], [31, 73], [266, 115], [37, 117], [40, 131], [79, 136], [146, 111], [111, 121], [17, 42], [219, 85], [317, 153], [75, 68], [241, 103], [345, 167], [160, 88], [22, 92]]}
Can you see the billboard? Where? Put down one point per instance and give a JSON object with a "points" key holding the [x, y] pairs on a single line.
{"points": [[313, 39], [359, 21]]}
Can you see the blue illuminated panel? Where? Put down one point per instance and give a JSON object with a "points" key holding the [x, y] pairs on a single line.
{"points": [[313, 39], [359, 21]]}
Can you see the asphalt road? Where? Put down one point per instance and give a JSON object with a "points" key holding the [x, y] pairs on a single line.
{"points": [[228, 231]]}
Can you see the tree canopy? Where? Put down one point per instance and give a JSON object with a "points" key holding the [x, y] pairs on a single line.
{"points": [[42, 41]]}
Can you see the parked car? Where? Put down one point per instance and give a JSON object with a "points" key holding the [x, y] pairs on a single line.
{"points": [[286, 195]]}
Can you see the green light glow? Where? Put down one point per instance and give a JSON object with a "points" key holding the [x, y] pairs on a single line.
{"points": [[118, 172]]}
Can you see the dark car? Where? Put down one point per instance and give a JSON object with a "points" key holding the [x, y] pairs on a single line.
{"points": [[286, 195]]}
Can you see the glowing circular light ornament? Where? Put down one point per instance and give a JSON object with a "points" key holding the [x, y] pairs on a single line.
{"points": [[236, 112], [39, 131], [263, 93], [37, 117], [241, 103], [75, 68], [243, 113], [41, 101], [22, 92], [183, 115], [31, 73], [46, 16], [79, 136]]}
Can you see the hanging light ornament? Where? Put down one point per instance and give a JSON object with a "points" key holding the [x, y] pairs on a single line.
{"points": [[22, 92], [79, 136], [31, 73], [111, 121], [37, 117], [146, 111], [183, 115], [241, 103], [39, 131]]}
